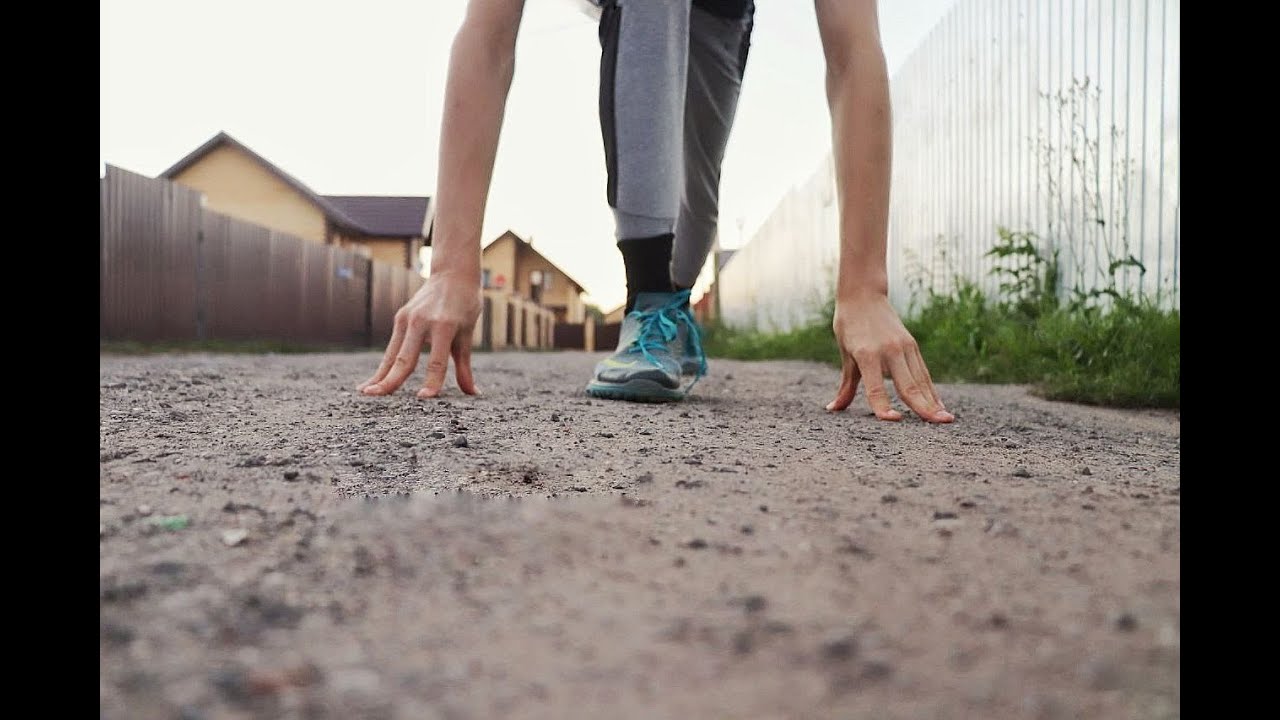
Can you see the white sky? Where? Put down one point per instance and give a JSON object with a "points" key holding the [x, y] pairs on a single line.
{"points": [[347, 98]]}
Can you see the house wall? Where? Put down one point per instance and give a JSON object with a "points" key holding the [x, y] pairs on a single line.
{"points": [[236, 185], [562, 293], [387, 250], [499, 258]]}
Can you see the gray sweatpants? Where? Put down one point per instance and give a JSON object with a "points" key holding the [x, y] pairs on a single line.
{"points": [[670, 74]]}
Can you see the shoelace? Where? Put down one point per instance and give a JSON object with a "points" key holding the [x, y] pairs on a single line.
{"points": [[657, 329]]}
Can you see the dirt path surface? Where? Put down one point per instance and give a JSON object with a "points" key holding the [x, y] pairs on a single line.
{"points": [[275, 545]]}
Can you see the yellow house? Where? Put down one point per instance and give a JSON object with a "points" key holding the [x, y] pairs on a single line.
{"points": [[237, 181], [510, 264]]}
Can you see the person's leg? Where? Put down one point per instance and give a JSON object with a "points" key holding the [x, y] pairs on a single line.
{"points": [[719, 39], [643, 72]]}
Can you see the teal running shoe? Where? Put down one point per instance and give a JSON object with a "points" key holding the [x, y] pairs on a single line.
{"points": [[646, 367], [693, 360]]}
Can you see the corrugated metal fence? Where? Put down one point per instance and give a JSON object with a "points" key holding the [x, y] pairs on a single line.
{"points": [[1058, 117], [170, 270]]}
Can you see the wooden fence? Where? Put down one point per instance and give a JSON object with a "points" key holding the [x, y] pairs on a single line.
{"points": [[171, 270]]}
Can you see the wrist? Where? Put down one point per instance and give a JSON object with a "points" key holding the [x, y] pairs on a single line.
{"points": [[862, 286], [465, 272]]}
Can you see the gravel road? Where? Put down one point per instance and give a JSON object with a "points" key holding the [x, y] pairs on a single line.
{"points": [[275, 545]]}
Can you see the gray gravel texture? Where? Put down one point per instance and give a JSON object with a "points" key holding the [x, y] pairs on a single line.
{"points": [[275, 545]]}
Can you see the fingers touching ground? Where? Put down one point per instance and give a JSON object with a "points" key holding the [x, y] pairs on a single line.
{"points": [[388, 357], [442, 336], [873, 380], [462, 364], [910, 378], [848, 385], [915, 388], [405, 358]]}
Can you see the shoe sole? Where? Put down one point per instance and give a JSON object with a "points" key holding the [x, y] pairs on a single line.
{"points": [[638, 390]]}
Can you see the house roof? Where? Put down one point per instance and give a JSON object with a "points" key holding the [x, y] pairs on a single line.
{"points": [[385, 215], [529, 246], [351, 213]]}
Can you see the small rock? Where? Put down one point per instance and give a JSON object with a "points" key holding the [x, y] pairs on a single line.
{"points": [[696, 544], [234, 537], [747, 530], [1126, 622], [144, 510], [460, 441], [291, 475], [689, 484], [876, 670], [840, 648], [1000, 528], [1011, 445], [645, 478], [406, 443], [1084, 470], [999, 621], [555, 417], [764, 508], [437, 435], [890, 498], [753, 603], [743, 642], [1021, 472], [944, 515]]}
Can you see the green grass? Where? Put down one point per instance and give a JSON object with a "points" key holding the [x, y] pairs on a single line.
{"points": [[132, 347], [1126, 357]]}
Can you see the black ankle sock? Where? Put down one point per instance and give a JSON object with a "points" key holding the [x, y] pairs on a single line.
{"points": [[648, 265]]}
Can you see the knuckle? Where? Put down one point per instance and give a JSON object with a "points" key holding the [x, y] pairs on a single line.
{"points": [[418, 323], [437, 367]]}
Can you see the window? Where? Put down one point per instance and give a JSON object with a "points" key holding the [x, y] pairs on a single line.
{"points": [[484, 278]]}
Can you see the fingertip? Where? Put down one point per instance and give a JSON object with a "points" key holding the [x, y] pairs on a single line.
{"points": [[428, 393]]}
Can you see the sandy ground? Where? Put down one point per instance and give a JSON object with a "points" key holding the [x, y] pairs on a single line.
{"points": [[743, 554]]}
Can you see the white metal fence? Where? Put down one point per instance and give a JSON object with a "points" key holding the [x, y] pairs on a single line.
{"points": [[1058, 117]]}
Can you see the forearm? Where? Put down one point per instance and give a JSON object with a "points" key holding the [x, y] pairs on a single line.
{"points": [[481, 66], [861, 125]]}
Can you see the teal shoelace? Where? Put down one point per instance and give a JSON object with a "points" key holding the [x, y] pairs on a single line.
{"points": [[657, 329]]}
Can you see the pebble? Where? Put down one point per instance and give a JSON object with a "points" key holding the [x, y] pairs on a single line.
{"points": [[291, 475], [144, 510], [1021, 472], [234, 537], [460, 441], [842, 647], [1126, 622]]}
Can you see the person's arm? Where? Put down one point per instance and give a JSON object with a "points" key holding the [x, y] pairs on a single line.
{"points": [[444, 311], [871, 337]]}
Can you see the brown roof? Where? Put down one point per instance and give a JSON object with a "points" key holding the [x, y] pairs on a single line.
{"points": [[383, 215], [365, 215]]}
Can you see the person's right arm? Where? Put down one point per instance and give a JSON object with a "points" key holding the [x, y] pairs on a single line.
{"points": [[445, 310]]}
